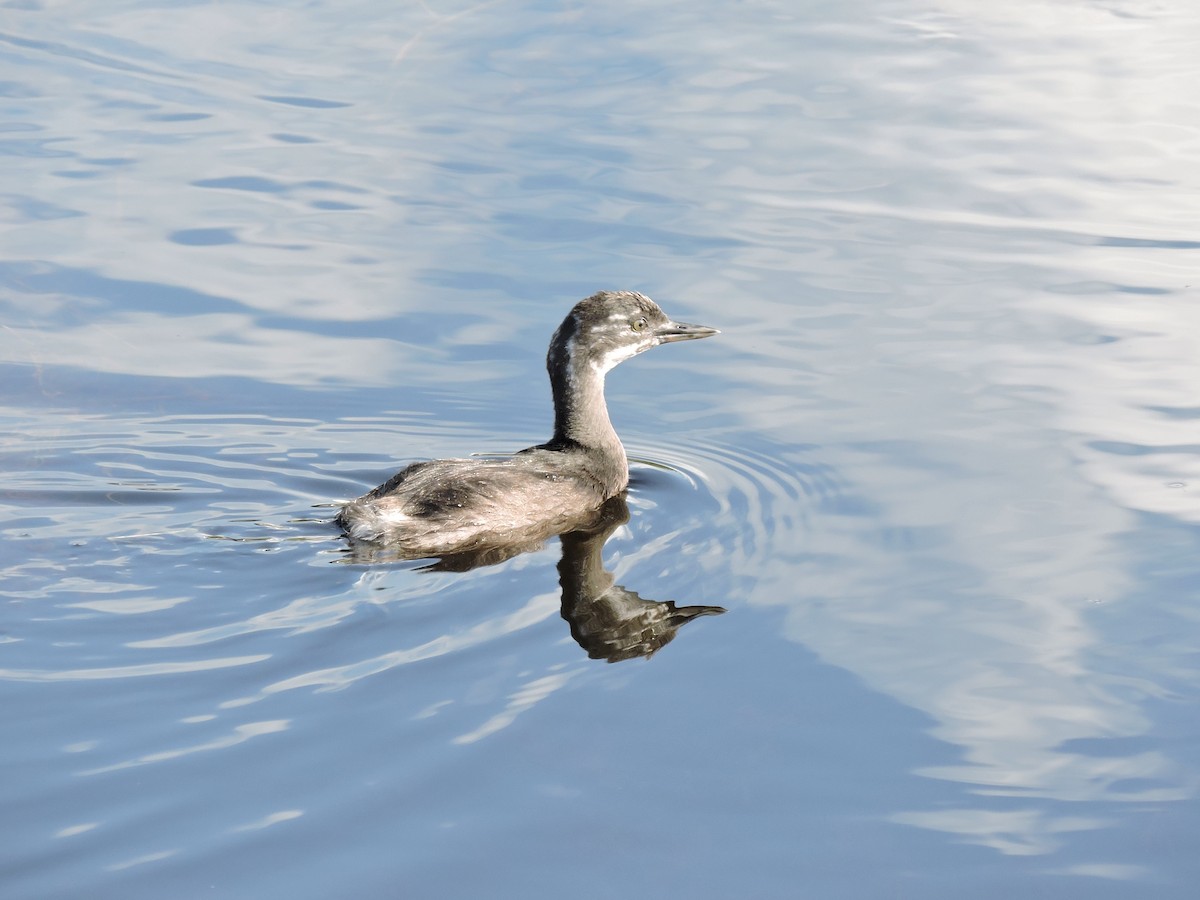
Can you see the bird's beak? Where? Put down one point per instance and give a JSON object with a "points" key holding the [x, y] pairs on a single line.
{"points": [[680, 331]]}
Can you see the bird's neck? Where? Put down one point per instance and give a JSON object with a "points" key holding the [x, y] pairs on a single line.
{"points": [[580, 413], [581, 420]]}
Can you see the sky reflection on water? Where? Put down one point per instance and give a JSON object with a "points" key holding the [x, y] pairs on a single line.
{"points": [[945, 444]]}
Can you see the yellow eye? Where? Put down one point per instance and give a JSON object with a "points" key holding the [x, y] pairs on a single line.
{"points": [[640, 324]]}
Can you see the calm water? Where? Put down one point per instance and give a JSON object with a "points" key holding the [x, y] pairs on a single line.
{"points": [[942, 467]]}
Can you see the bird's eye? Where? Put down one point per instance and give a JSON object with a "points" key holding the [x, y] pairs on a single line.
{"points": [[640, 324]]}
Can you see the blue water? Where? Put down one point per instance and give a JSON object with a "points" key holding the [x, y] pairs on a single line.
{"points": [[941, 466]]}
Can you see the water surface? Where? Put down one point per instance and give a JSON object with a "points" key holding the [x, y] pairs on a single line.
{"points": [[940, 467]]}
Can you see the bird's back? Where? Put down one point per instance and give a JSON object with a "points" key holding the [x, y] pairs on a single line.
{"points": [[450, 505]]}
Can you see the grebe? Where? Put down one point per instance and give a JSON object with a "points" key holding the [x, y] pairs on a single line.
{"points": [[447, 506]]}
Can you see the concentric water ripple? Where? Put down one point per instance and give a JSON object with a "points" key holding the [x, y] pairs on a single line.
{"points": [[765, 499], [148, 495]]}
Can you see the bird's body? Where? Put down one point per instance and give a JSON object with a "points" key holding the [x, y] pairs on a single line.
{"points": [[448, 506]]}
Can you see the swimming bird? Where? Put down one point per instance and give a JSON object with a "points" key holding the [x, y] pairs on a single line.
{"points": [[448, 506]]}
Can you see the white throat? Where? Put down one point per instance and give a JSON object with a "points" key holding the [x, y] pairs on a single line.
{"points": [[609, 360]]}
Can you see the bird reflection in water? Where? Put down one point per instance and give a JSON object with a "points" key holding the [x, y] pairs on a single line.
{"points": [[607, 620]]}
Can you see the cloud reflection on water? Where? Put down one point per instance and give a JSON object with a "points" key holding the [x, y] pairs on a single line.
{"points": [[953, 250], [905, 267]]}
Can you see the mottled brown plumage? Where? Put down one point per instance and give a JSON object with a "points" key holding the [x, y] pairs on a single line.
{"points": [[448, 506]]}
